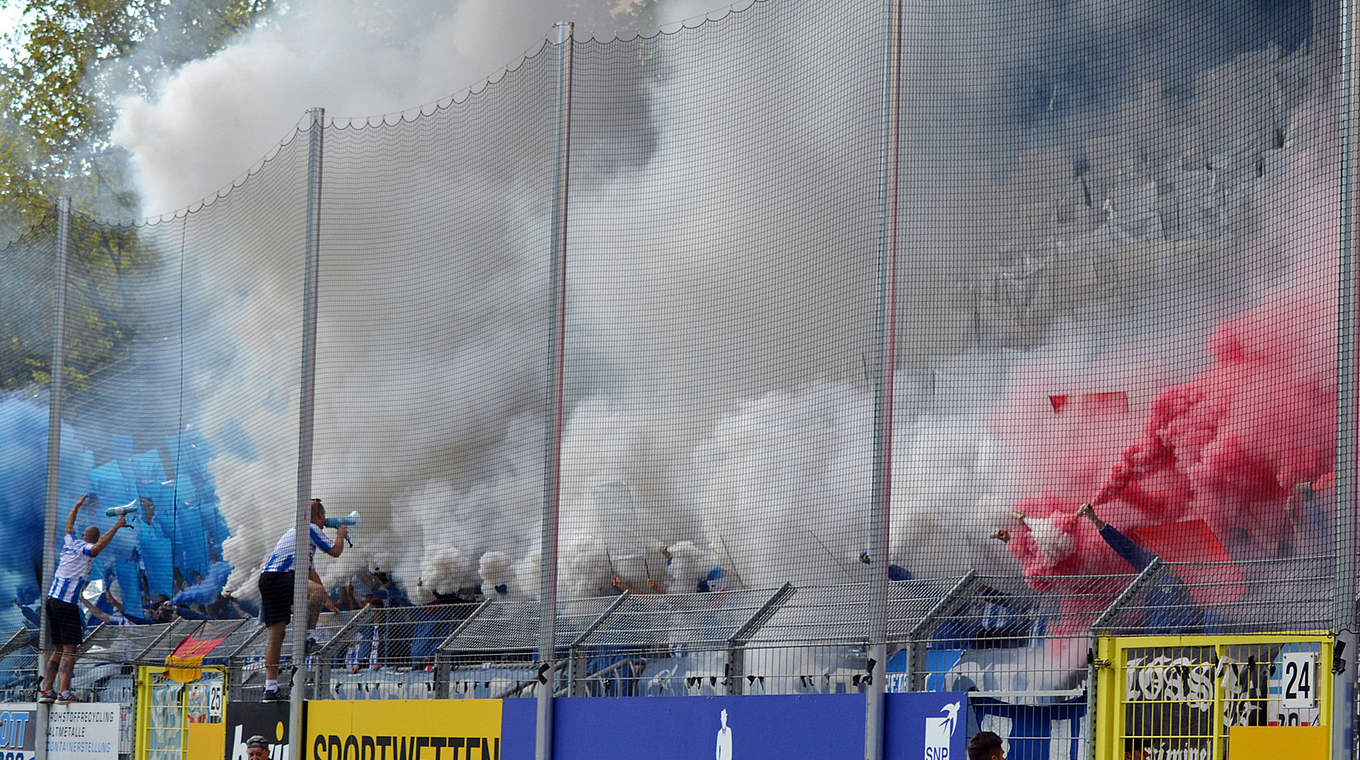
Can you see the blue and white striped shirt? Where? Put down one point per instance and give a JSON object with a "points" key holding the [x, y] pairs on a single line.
{"points": [[281, 561], [73, 569]]}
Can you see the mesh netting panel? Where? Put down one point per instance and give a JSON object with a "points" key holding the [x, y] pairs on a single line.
{"points": [[29, 275], [147, 644], [28, 270], [1200, 597], [183, 349], [433, 335], [720, 302], [1116, 284], [998, 611], [700, 620], [513, 625], [389, 637], [1011, 640], [243, 281]]}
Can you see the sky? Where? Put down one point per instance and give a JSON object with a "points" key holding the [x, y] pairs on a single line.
{"points": [[9, 16]]}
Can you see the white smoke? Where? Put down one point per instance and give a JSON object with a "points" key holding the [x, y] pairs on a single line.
{"points": [[719, 346], [496, 569], [212, 118], [688, 564]]}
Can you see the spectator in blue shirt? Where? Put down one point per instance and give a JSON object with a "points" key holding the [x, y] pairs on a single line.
{"points": [[1170, 608]]}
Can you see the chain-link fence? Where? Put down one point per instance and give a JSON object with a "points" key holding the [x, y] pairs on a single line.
{"points": [[625, 299], [990, 635]]}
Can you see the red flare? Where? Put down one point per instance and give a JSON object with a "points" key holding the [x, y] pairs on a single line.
{"points": [[1222, 451]]}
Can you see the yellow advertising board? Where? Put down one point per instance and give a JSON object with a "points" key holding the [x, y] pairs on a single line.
{"points": [[1276, 742], [203, 741], [424, 729]]}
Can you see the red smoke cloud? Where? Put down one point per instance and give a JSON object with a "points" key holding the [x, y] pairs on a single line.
{"points": [[1227, 447], [1230, 445]]}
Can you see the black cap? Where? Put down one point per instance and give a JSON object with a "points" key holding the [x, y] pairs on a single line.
{"points": [[256, 741]]}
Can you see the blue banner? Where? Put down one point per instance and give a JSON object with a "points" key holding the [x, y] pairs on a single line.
{"points": [[723, 728], [925, 726], [518, 723]]}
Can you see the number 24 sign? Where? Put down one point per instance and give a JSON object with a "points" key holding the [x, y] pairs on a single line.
{"points": [[1297, 680]]}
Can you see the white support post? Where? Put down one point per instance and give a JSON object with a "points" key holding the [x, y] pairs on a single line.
{"points": [[881, 496], [302, 539], [552, 446], [53, 474], [1344, 611]]}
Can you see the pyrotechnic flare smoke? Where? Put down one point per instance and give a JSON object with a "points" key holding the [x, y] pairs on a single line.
{"points": [[1231, 444], [725, 385]]}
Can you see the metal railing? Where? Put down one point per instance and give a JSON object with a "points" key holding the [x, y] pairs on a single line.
{"points": [[996, 636]]}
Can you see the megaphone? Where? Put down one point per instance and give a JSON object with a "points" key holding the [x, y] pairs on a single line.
{"points": [[352, 520], [131, 509], [93, 590]]}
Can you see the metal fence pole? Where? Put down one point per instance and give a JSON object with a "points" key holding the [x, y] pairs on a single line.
{"points": [[1344, 612], [881, 496], [552, 446], [1155, 570], [53, 474], [302, 538]]}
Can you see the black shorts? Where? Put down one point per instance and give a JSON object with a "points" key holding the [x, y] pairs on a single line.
{"points": [[276, 597], [64, 623]]}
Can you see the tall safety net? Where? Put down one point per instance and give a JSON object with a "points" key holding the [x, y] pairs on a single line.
{"points": [[183, 341], [28, 269], [720, 320], [1087, 260], [432, 340]]}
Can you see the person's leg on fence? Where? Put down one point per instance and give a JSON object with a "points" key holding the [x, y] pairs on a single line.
{"points": [[276, 608], [50, 673], [272, 650], [68, 662], [316, 599], [65, 629]]}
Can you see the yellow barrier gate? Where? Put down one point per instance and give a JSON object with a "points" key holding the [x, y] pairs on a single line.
{"points": [[179, 721], [1195, 697]]}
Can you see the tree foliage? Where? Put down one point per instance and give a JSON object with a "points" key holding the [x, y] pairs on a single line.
{"points": [[62, 69], [68, 61]]}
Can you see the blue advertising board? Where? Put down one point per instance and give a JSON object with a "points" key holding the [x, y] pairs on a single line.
{"points": [[925, 726], [938, 670], [1035, 732], [518, 718], [724, 728]]}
